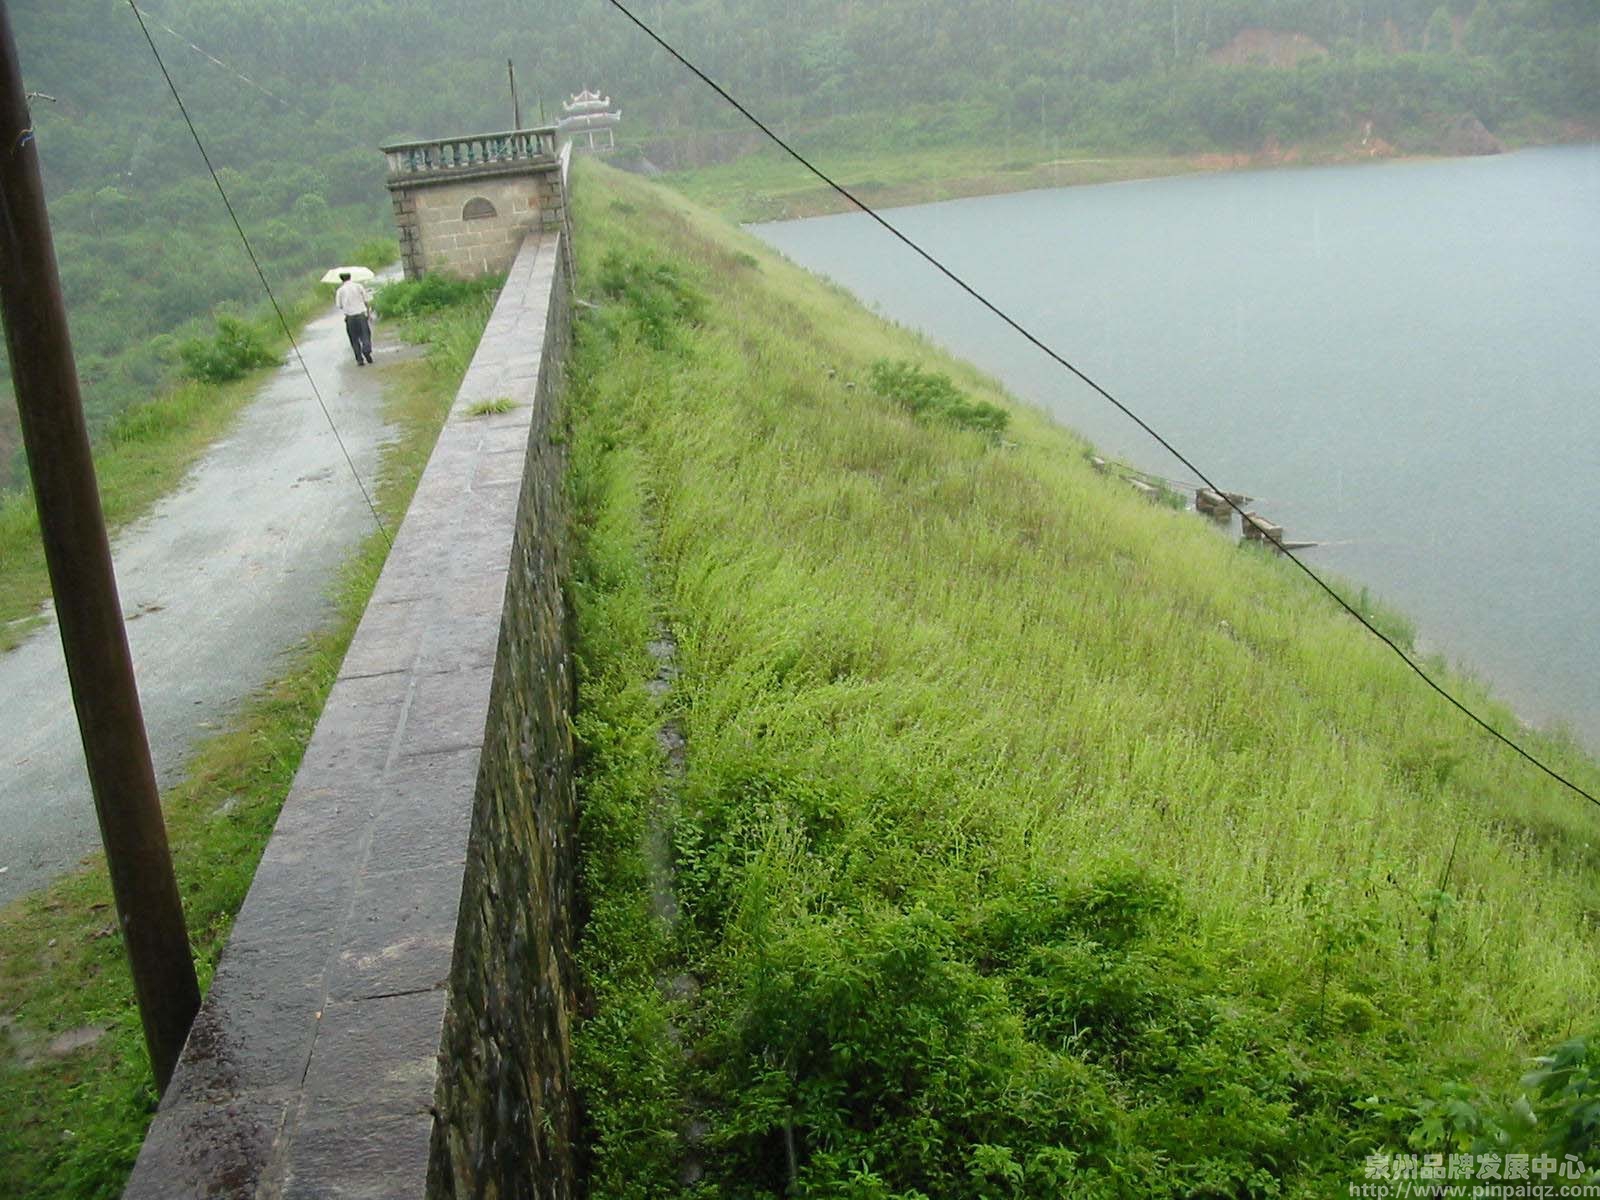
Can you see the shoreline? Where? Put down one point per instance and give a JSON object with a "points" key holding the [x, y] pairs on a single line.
{"points": [[1047, 176], [757, 193]]}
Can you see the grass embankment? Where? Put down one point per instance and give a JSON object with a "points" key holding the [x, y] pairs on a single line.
{"points": [[78, 1116], [1030, 839]]}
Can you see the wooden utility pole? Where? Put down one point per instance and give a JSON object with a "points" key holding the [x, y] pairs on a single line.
{"points": [[78, 555]]}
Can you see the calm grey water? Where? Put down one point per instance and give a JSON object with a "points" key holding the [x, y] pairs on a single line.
{"points": [[1398, 359]]}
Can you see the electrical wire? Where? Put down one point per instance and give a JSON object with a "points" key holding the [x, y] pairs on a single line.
{"points": [[1061, 361], [262, 275], [234, 71]]}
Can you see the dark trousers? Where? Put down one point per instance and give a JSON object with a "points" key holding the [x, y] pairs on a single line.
{"points": [[360, 331]]}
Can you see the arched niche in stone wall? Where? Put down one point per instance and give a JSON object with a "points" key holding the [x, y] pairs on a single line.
{"points": [[477, 209]]}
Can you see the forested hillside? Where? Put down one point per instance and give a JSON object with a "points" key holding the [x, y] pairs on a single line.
{"points": [[303, 94], [1119, 73]]}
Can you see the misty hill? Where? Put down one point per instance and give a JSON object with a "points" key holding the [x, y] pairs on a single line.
{"points": [[292, 99]]}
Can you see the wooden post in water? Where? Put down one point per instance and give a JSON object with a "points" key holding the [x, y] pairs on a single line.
{"points": [[1258, 529], [78, 555], [1212, 504]]}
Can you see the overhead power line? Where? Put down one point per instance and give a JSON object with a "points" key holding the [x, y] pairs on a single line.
{"points": [[217, 62], [262, 276], [1062, 362]]}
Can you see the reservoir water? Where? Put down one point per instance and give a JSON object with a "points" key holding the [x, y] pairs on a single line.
{"points": [[1401, 360]]}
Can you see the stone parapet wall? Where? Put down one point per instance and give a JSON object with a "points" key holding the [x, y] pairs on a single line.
{"points": [[390, 1016], [506, 1116]]}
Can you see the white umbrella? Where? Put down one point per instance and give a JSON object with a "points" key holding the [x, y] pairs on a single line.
{"points": [[359, 274]]}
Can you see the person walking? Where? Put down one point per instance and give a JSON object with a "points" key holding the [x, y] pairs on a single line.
{"points": [[355, 302]]}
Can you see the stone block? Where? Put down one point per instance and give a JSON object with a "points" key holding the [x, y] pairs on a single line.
{"points": [[1258, 528], [255, 1031], [428, 812], [385, 1160], [375, 1059], [504, 467], [388, 639], [286, 904], [448, 709], [210, 1151], [400, 934]]}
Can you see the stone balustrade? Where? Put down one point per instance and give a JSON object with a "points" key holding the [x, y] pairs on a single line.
{"points": [[513, 149], [463, 205]]}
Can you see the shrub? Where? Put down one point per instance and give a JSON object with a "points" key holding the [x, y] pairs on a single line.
{"points": [[238, 347], [654, 295], [377, 253], [927, 394], [413, 297], [864, 1042], [1566, 1098], [1557, 1111]]}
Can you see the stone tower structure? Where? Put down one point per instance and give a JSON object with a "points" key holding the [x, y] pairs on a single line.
{"points": [[463, 205]]}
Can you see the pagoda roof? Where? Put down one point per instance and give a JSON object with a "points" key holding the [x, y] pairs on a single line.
{"points": [[587, 101]]}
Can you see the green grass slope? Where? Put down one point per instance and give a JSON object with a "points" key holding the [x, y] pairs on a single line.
{"points": [[1026, 839]]}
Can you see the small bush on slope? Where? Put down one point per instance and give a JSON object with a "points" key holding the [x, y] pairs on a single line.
{"points": [[238, 346], [927, 393], [433, 293]]}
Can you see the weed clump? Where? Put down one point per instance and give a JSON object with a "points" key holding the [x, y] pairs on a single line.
{"points": [[929, 394], [654, 296], [431, 293], [238, 346], [376, 253], [1554, 1121]]}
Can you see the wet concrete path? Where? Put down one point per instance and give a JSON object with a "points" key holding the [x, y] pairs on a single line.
{"points": [[218, 582]]}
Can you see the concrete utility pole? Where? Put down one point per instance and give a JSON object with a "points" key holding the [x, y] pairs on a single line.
{"points": [[78, 555]]}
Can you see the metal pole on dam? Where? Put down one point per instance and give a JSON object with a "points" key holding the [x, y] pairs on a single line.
{"points": [[78, 554]]}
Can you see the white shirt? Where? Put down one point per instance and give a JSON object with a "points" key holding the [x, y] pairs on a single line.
{"points": [[352, 298]]}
